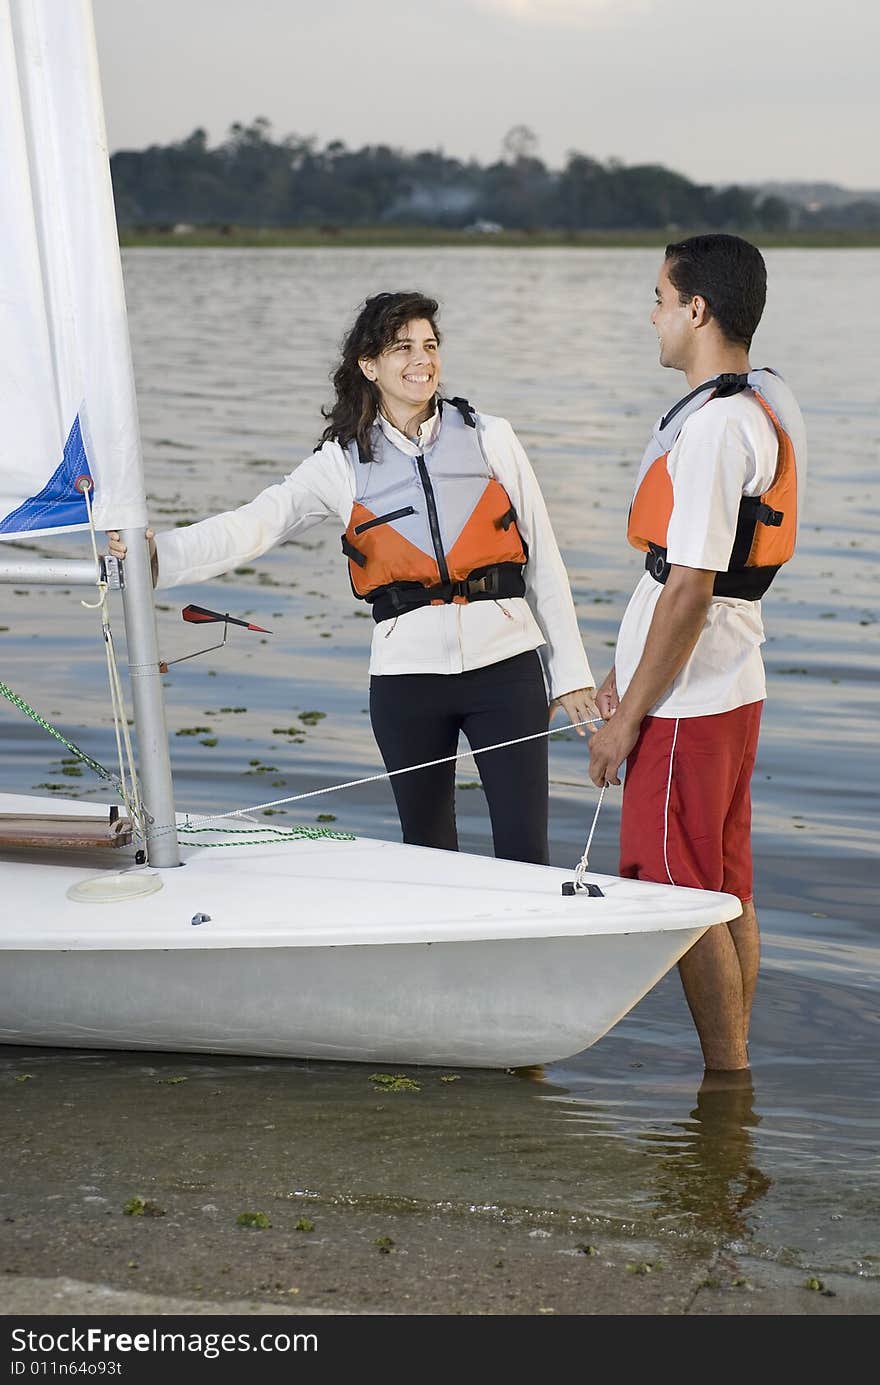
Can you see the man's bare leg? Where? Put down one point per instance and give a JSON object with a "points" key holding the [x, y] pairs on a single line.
{"points": [[718, 994], [747, 941]]}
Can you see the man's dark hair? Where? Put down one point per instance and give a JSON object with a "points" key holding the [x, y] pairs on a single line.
{"points": [[729, 273]]}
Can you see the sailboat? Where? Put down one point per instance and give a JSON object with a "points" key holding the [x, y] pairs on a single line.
{"points": [[118, 930]]}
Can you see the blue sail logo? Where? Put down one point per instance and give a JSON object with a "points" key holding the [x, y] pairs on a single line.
{"points": [[60, 503]]}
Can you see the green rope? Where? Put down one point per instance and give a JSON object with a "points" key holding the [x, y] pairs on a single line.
{"points": [[28, 710], [277, 834]]}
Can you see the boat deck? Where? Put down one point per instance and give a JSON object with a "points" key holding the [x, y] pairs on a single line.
{"points": [[319, 892]]}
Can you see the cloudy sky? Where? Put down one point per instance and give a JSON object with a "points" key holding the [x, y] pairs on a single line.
{"points": [[744, 91]]}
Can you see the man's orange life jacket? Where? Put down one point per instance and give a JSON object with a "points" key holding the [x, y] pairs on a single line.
{"points": [[767, 524], [432, 529]]}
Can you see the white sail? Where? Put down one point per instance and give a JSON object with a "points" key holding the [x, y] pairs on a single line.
{"points": [[67, 397]]}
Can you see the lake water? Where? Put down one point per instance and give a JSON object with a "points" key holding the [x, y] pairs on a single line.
{"points": [[233, 351]]}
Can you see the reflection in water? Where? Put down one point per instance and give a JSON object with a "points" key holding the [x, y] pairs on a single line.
{"points": [[707, 1173]]}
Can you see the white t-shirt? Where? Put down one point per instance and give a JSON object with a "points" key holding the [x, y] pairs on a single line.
{"points": [[725, 450], [451, 638]]}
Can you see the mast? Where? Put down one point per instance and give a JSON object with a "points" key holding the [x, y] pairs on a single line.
{"points": [[142, 643], [68, 408]]}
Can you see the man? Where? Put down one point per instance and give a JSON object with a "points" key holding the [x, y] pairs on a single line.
{"points": [[715, 510]]}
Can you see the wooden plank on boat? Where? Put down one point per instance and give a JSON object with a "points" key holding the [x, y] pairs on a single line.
{"points": [[63, 830]]}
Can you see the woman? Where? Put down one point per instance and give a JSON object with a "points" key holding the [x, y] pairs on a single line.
{"points": [[447, 537]]}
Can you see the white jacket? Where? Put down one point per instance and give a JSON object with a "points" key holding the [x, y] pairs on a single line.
{"points": [[432, 639]]}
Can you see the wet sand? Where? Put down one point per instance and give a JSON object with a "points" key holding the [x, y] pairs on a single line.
{"points": [[450, 1270], [332, 1162], [440, 1263]]}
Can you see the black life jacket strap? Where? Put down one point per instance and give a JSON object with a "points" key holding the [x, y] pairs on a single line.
{"points": [[656, 564], [507, 519], [752, 512], [747, 583], [483, 584], [468, 413], [384, 519], [750, 583], [721, 385], [353, 553]]}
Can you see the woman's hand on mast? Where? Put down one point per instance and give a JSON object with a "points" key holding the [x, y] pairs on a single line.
{"points": [[580, 705], [118, 549]]}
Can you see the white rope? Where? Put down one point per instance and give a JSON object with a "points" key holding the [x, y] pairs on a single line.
{"points": [[389, 774], [580, 869], [582, 865], [125, 754]]}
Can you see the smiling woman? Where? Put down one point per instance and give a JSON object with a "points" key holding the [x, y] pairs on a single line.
{"points": [[407, 371], [447, 538]]}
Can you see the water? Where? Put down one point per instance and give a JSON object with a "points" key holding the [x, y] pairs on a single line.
{"points": [[233, 352]]}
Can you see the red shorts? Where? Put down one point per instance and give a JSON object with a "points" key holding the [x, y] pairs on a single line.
{"points": [[687, 809]]}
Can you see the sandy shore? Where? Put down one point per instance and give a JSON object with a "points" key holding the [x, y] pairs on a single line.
{"points": [[438, 1268], [385, 1259]]}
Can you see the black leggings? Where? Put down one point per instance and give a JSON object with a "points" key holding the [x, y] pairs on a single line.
{"points": [[418, 716]]}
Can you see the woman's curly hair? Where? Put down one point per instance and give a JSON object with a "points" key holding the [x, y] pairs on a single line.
{"points": [[351, 416]]}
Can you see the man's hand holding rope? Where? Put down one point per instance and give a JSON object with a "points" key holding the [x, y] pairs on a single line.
{"points": [[679, 616], [611, 744]]}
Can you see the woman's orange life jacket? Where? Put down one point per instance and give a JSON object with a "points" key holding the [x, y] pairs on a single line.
{"points": [[432, 529], [766, 528]]}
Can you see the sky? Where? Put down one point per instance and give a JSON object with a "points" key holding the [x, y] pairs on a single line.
{"points": [[739, 92]]}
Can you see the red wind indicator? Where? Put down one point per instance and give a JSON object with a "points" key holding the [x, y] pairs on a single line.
{"points": [[200, 615]]}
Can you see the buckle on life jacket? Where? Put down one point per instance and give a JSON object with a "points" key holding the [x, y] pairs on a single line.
{"points": [[730, 383], [484, 584], [746, 584], [773, 518], [656, 564], [469, 587]]}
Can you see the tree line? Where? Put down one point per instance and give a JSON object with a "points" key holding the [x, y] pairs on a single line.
{"points": [[251, 179]]}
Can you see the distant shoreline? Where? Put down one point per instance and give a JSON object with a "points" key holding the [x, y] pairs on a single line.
{"points": [[378, 237]]}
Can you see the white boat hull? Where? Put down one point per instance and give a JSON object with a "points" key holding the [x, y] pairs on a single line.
{"points": [[363, 950], [511, 1003]]}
